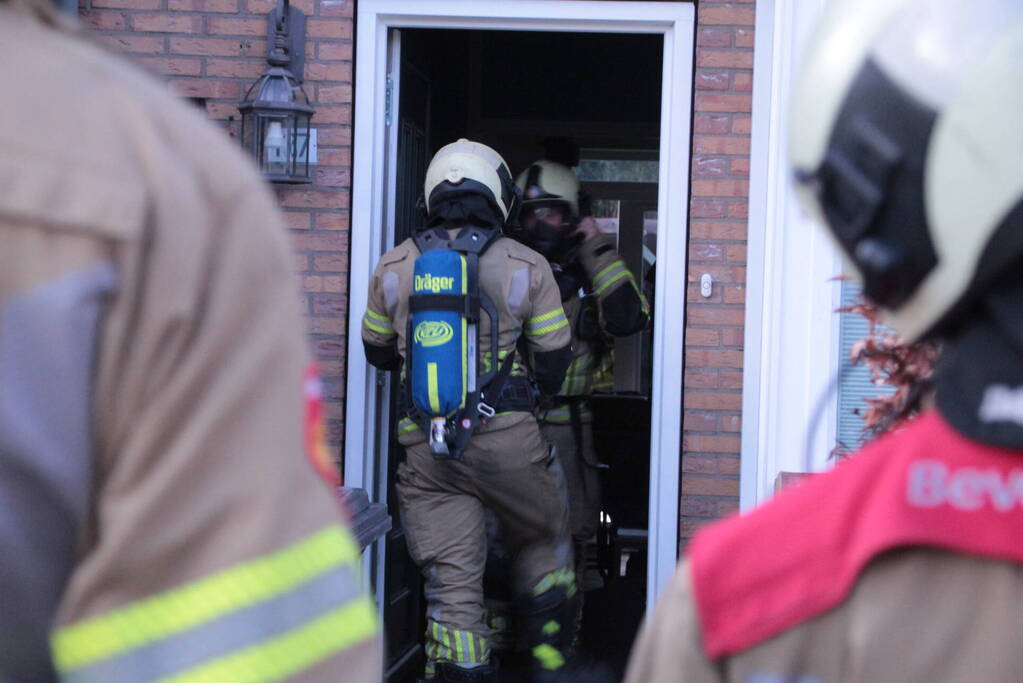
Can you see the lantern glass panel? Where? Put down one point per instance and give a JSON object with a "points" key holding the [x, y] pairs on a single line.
{"points": [[276, 135]]}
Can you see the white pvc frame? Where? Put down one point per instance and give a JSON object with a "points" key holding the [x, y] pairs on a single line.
{"points": [[791, 336], [676, 23]]}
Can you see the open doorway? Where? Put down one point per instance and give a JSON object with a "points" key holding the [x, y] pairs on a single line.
{"points": [[614, 94], [511, 90]]}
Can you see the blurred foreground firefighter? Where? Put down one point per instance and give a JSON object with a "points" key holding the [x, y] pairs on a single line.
{"points": [[905, 562], [601, 300], [162, 515], [455, 307]]}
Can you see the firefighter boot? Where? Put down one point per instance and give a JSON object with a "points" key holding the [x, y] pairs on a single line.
{"points": [[451, 673], [548, 623]]}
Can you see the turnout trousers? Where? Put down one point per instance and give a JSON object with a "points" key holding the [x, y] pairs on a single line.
{"points": [[509, 469]]}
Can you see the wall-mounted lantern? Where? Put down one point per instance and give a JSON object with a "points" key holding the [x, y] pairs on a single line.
{"points": [[276, 111]]}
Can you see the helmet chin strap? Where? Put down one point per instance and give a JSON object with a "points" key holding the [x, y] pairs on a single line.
{"points": [[979, 378]]}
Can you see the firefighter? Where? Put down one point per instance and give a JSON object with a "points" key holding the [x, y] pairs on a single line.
{"points": [[506, 465], [602, 301], [904, 562], [162, 513]]}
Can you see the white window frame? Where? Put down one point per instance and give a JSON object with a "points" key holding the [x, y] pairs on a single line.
{"points": [[792, 332], [676, 23]]}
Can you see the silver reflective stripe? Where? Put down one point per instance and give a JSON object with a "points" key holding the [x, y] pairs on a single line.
{"points": [[518, 289], [48, 338], [223, 636]]}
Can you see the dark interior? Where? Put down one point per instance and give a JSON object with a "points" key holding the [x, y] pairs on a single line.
{"points": [[511, 90]]}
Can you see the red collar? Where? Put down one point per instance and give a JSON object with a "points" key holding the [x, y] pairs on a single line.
{"points": [[800, 554]]}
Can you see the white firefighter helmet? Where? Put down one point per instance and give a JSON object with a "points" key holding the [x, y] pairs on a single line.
{"points": [[469, 178], [546, 182], [906, 140]]}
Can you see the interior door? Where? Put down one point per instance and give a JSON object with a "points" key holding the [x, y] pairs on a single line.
{"points": [[407, 135]]}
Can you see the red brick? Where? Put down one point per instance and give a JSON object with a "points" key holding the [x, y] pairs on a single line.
{"points": [[708, 208], [333, 220], [330, 304], [326, 349], [741, 125], [259, 6], [221, 110], [703, 253], [297, 220], [126, 42], [335, 136], [704, 165], [203, 5], [711, 80], [236, 26], [340, 71], [717, 230], [217, 47], [717, 102], [320, 241], [742, 82], [727, 507], [735, 294], [688, 528], [705, 400], [731, 380], [713, 315], [322, 199], [732, 337], [739, 167], [731, 423], [333, 177], [171, 66], [712, 358], [735, 253], [701, 337], [705, 443], [698, 506], [334, 94], [328, 262], [710, 486], [104, 21], [334, 51], [744, 37], [699, 422], [700, 379], [333, 283], [720, 187], [711, 123], [329, 28], [336, 8], [301, 262], [714, 37], [706, 144], [164, 23], [248, 69], [736, 16], [738, 209], [127, 4], [325, 325], [333, 114], [335, 157], [728, 58], [205, 88], [725, 274]]}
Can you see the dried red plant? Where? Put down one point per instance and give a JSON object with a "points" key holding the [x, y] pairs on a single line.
{"points": [[892, 362]]}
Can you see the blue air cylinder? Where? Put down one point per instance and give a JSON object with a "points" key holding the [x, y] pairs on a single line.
{"points": [[439, 343]]}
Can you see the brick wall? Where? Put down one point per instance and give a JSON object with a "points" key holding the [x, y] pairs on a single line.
{"points": [[717, 229], [215, 49]]}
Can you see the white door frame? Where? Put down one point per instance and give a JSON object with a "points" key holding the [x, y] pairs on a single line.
{"points": [[675, 22], [792, 332]]}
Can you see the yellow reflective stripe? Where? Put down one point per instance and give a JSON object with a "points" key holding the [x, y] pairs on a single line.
{"points": [[613, 280], [608, 269], [406, 425], [546, 316], [277, 658], [183, 608], [549, 657], [549, 328], [432, 389], [382, 318], [377, 328]]}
